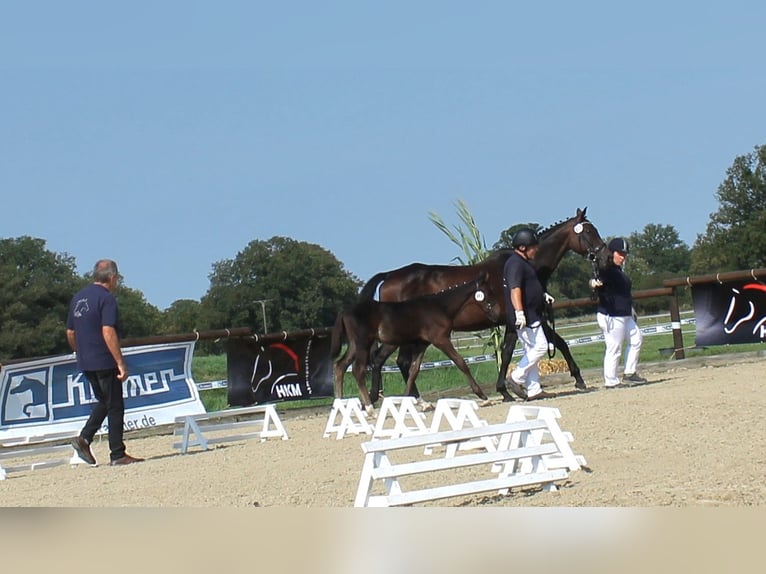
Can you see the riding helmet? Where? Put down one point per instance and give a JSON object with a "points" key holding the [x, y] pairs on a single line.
{"points": [[619, 244], [524, 237]]}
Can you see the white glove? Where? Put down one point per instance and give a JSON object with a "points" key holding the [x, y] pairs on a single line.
{"points": [[521, 320], [548, 298], [595, 283]]}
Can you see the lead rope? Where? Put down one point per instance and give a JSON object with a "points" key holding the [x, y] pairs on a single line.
{"points": [[594, 274], [552, 323]]}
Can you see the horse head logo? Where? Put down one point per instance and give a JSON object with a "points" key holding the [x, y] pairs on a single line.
{"points": [[81, 307], [276, 365], [746, 303], [33, 398]]}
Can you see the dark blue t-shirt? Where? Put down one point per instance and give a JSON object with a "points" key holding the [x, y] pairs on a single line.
{"points": [[518, 272], [614, 297], [92, 308]]}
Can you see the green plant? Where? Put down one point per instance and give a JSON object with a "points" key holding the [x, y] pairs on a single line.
{"points": [[474, 247]]}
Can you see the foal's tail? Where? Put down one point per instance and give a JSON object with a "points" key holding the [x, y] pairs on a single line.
{"points": [[369, 289], [338, 335]]}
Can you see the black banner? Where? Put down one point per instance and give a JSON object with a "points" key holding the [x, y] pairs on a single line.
{"points": [[294, 369], [728, 313]]}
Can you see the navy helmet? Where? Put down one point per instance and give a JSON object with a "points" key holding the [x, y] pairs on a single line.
{"points": [[524, 237], [619, 244]]}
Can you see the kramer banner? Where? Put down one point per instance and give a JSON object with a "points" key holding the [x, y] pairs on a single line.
{"points": [[729, 313], [50, 395], [282, 371]]}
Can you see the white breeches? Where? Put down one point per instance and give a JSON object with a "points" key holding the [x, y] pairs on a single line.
{"points": [[535, 346], [616, 330]]}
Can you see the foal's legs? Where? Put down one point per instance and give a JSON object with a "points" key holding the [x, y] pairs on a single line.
{"points": [[445, 345], [339, 369], [417, 352], [378, 356], [360, 373], [404, 362]]}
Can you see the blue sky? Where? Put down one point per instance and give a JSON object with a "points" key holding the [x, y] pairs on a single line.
{"points": [[168, 135]]}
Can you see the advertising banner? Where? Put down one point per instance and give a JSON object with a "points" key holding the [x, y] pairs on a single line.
{"points": [[50, 395], [282, 371], [729, 313]]}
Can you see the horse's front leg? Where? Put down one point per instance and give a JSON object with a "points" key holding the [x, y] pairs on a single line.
{"points": [[506, 354], [360, 373], [561, 345], [404, 361], [378, 357], [376, 364], [445, 345], [339, 370], [418, 352], [415, 361]]}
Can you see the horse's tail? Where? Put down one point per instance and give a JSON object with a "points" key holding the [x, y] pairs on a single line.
{"points": [[337, 336], [369, 289]]}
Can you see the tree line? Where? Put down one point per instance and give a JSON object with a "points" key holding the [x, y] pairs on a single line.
{"points": [[305, 285]]}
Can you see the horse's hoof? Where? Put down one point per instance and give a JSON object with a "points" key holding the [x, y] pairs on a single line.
{"points": [[425, 406], [508, 399], [580, 386]]}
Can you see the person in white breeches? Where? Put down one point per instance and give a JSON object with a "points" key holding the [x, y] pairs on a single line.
{"points": [[525, 298], [617, 318]]}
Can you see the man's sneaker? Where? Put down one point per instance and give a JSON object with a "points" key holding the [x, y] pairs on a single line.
{"points": [[82, 448], [125, 459], [634, 378]]}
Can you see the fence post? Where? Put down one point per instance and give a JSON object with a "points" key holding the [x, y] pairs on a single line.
{"points": [[675, 324]]}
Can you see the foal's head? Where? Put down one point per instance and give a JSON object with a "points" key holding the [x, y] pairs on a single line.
{"points": [[485, 298]]}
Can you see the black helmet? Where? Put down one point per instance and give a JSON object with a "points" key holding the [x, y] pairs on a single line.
{"points": [[524, 237], [619, 244]]}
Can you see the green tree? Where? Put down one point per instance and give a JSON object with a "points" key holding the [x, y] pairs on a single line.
{"points": [[183, 316], [662, 249], [734, 238], [138, 317], [570, 280], [656, 253], [304, 285], [37, 285]]}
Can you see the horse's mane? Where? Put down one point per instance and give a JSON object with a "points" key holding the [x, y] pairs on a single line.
{"points": [[555, 226]]}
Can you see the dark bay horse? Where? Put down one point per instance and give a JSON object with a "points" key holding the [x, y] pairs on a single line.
{"points": [[417, 322], [577, 234]]}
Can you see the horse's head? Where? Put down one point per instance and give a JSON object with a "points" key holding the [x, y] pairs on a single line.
{"points": [[586, 240], [577, 234]]}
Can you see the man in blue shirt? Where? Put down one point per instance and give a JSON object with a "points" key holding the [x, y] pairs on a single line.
{"points": [[525, 299], [92, 334]]}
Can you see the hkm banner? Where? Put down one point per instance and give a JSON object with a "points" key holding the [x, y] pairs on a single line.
{"points": [[727, 313], [282, 371]]}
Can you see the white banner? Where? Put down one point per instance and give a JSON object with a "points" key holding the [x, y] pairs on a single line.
{"points": [[51, 396]]}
